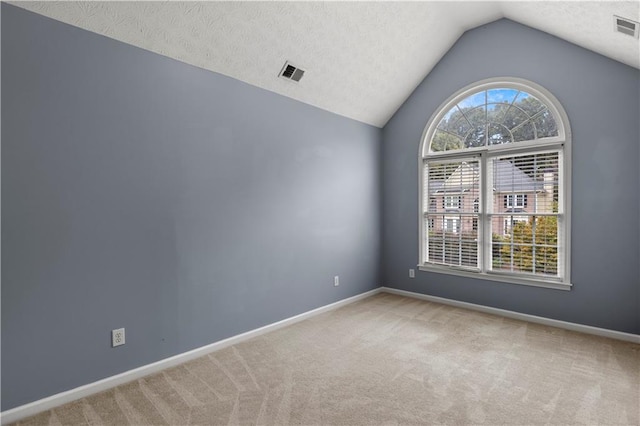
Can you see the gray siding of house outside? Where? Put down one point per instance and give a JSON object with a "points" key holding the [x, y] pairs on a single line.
{"points": [[141, 192], [602, 99]]}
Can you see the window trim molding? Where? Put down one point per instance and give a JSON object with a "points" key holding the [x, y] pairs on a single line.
{"points": [[563, 141], [494, 276]]}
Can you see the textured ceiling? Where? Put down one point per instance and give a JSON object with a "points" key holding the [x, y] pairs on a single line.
{"points": [[363, 59]]}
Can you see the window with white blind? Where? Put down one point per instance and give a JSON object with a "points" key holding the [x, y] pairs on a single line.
{"points": [[452, 202], [515, 200], [495, 185]]}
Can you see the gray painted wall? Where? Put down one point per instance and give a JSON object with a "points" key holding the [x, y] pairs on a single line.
{"points": [[602, 100], [144, 193]]}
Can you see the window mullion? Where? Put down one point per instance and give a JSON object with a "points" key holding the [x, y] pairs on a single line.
{"points": [[485, 217]]}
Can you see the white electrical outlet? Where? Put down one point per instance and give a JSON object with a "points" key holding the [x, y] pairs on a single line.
{"points": [[412, 273], [117, 337], [336, 281]]}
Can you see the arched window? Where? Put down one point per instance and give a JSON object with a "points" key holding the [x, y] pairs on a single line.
{"points": [[495, 158]]}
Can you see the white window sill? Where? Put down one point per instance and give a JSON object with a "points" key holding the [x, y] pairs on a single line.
{"points": [[511, 279]]}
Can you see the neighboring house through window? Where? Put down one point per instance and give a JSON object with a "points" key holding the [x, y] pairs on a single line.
{"points": [[496, 157]]}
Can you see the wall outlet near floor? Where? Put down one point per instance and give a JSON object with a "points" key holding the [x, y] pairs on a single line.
{"points": [[412, 273], [117, 337], [336, 281]]}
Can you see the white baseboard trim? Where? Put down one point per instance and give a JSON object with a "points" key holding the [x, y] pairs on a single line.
{"points": [[32, 408], [619, 335]]}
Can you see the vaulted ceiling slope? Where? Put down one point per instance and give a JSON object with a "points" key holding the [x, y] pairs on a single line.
{"points": [[362, 59]]}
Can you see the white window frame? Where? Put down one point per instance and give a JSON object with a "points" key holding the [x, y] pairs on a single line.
{"points": [[561, 143], [512, 200], [452, 202], [455, 221]]}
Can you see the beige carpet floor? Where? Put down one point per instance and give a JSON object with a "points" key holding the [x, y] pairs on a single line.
{"points": [[385, 360]]}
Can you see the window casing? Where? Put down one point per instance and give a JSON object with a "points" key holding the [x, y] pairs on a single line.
{"points": [[496, 157]]}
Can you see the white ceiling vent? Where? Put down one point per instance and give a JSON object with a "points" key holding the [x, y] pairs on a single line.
{"points": [[626, 26], [291, 72]]}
